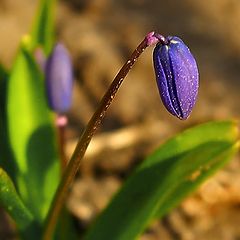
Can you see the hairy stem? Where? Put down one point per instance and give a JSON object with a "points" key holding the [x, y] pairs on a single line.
{"points": [[93, 124]]}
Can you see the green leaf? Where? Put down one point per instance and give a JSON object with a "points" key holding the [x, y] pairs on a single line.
{"points": [[174, 170], [66, 229], [6, 159], [216, 155], [3, 82], [3, 72], [12, 203], [32, 136], [43, 27]]}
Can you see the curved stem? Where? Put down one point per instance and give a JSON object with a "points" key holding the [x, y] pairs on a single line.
{"points": [[89, 131]]}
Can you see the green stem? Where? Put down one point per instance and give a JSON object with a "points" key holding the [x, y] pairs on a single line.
{"points": [[85, 138]]}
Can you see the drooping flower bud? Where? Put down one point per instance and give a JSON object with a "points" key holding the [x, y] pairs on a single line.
{"points": [[177, 76], [59, 79]]}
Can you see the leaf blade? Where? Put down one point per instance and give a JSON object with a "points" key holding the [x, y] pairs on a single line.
{"points": [[43, 28], [32, 136], [12, 203], [148, 191]]}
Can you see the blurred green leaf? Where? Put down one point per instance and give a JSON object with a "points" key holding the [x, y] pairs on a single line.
{"points": [[6, 160], [174, 170], [66, 227], [32, 136], [12, 203], [43, 27], [3, 72], [3, 82]]}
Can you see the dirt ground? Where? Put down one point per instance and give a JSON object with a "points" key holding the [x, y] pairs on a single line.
{"points": [[100, 34]]}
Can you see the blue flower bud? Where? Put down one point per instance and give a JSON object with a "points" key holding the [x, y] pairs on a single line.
{"points": [[177, 76], [59, 79]]}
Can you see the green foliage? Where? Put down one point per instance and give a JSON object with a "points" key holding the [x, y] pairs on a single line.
{"points": [[3, 81], [6, 159], [27, 136], [3, 86], [164, 178], [11, 201], [43, 27], [31, 135], [28, 140]]}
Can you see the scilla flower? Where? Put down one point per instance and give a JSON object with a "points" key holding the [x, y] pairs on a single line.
{"points": [[59, 79], [177, 76]]}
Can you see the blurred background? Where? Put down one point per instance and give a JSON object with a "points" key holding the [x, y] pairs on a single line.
{"points": [[100, 35]]}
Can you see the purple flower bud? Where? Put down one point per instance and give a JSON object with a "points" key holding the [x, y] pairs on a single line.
{"points": [[177, 76], [59, 79]]}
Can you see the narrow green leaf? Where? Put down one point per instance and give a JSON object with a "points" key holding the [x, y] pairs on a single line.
{"points": [[193, 181], [66, 229], [6, 159], [164, 178], [3, 82], [12, 203], [43, 27], [3, 72], [32, 136]]}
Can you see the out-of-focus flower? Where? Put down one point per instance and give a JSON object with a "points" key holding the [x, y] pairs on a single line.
{"points": [[177, 76], [59, 79]]}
